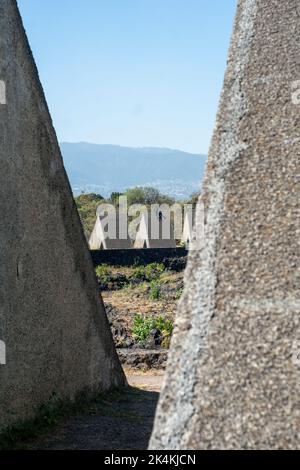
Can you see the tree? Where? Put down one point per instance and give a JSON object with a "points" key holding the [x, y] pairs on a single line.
{"points": [[147, 196], [194, 198], [87, 206], [114, 198]]}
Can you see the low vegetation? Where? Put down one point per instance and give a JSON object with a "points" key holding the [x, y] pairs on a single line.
{"points": [[119, 278], [111, 279], [155, 290], [87, 206], [140, 302], [148, 273], [143, 327]]}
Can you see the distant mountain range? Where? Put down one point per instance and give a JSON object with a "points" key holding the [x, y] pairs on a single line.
{"points": [[107, 168]]}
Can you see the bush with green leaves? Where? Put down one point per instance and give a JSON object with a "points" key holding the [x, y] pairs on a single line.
{"points": [[143, 326], [154, 270], [138, 274], [147, 273], [165, 325], [103, 273], [87, 206], [155, 290], [108, 280]]}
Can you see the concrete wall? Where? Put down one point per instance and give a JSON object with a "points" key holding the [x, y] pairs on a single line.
{"points": [[52, 318], [233, 375], [173, 258]]}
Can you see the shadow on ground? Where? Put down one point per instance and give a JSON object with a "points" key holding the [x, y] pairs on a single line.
{"points": [[123, 422]]}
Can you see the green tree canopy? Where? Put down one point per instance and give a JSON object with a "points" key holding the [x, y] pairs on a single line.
{"points": [[147, 196], [87, 206]]}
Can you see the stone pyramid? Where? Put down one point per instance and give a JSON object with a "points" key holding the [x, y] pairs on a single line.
{"points": [[234, 370], [53, 326]]}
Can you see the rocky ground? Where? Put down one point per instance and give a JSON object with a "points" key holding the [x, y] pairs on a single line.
{"points": [[141, 304]]}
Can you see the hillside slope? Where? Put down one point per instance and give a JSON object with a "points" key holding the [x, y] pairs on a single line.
{"points": [[107, 168]]}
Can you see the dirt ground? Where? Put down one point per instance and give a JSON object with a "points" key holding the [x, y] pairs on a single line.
{"points": [[150, 381], [123, 422]]}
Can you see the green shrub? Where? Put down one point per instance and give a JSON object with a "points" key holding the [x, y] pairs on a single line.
{"points": [[165, 326], [147, 273], [154, 270], [109, 280], [103, 274], [87, 206], [155, 290], [143, 326], [138, 274]]}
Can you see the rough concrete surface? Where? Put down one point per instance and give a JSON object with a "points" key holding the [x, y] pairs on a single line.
{"points": [[233, 373], [51, 317]]}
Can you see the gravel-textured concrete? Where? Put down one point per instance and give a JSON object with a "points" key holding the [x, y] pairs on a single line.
{"points": [[51, 317], [233, 373]]}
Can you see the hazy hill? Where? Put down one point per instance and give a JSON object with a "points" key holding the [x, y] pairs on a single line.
{"points": [[107, 168]]}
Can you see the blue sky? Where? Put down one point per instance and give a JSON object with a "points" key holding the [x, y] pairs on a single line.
{"points": [[131, 72]]}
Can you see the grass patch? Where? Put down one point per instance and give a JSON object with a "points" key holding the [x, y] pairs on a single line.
{"points": [[147, 273], [155, 290], [142, 327], [108, 279], [116, 278], [103, 273]]}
